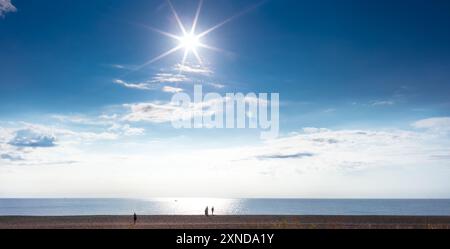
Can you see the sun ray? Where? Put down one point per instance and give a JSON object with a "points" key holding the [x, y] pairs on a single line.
{"points": [[176, 37], [186, 52], [180, 24], [171, 51], [184, 60], [197, 14], [194, 51], [212, 48], [191, 41], [230, 19]]}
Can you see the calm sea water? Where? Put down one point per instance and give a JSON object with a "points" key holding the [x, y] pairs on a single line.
{"points": [[193, 206]]}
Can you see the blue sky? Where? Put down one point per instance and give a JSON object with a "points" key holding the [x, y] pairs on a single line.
{"points": [[378, 69]]}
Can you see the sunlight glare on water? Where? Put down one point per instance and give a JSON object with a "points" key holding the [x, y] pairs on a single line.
{"points": [[193, 206]]}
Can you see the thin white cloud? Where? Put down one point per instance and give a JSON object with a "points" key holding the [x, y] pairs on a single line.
{"points": [[139, 86], [314, 130], [285, 156], [169, 89], [157, 112], [329, 110], [68, 135], [177, 74], [5, 7], [165, 112], [108, 117], [118, 66], [103, 120], [195, 69], [169, 78], [155, 82], [383, 103], [116, 127], [115, 130], [123, 67], [216, 85], [126, 130], [150, 112]]}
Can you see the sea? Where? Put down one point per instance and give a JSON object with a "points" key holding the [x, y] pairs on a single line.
{"points": [[196, 206]]}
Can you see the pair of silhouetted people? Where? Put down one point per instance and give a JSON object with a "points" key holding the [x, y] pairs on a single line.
{"points": [[207, 211]]}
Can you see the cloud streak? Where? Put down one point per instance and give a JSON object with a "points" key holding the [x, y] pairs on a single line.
{"points": [[285, 156], [150, 112], [169, 78], [157, 112], [169, 89], [193, 69], [139, 86], [383, 103]]}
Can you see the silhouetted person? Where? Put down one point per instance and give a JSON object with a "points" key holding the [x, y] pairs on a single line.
{"points": [[212, 210], [134, 218], [206, 211]]}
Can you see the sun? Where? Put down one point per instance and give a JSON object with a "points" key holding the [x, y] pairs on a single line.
{"points": [[190, 42]]}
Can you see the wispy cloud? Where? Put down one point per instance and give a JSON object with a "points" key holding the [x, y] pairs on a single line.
{"points": [[156, 82], [169, 78], [123, 67], [216, 85], [118, 66], [285, 156], [108, 117], [126, 130], [64, 134], [158, 112], [383, 103], [139, 86], [179, 73], [169, 89], [5, 7], [114, 130], [151, 112], [329, 110], [102, 120], [195, 69]]}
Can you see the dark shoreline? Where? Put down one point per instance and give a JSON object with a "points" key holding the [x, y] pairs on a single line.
{"points": [[225, 222]]}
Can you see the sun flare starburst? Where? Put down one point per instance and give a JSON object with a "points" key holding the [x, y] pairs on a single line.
{"points": [[190, 41]]}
